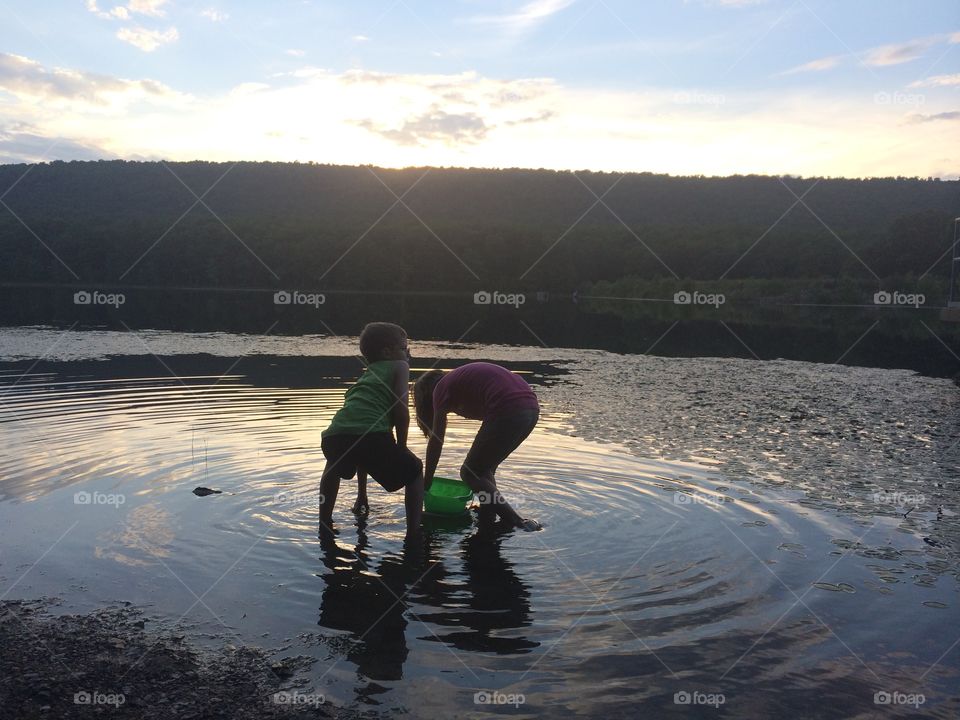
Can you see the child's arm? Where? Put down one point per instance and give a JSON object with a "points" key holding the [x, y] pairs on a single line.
{"points": [[362, 505], [400, 415], [434, 448]]}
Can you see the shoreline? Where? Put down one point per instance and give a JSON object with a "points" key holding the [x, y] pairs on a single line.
{"points": [[107, 663]]}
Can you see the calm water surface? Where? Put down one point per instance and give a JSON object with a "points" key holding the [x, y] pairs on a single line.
{"points": [[654, 580]]}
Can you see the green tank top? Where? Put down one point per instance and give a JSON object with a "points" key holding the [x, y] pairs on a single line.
{"points": [[367, 406]]}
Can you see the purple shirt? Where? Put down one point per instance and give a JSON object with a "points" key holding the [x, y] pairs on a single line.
{"points": [[482, 390]]}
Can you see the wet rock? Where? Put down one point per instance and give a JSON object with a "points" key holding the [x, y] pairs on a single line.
{"points": [[203, 491]]}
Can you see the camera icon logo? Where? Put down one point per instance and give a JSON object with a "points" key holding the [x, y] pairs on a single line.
{"points": [[882, 698], [680, 498], [682, 298], [82, 297], [82, 498], [82, 698], [682, 698], [282, 297], [482, 298], [882, 298], [482, 698]]}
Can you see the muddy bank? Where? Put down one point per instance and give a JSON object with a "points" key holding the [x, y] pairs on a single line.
{"points": [[110, 664]]}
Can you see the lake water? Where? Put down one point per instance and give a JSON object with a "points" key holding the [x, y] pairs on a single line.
{"points": [[721, 537]]}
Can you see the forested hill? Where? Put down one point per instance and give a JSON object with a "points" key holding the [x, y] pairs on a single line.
{"points": [[296, 220]]}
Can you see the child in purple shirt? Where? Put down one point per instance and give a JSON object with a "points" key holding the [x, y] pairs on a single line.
{"points": [[508, 409]]}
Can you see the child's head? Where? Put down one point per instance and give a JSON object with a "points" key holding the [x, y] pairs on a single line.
{"points": [[423, 399], [383, 341]]}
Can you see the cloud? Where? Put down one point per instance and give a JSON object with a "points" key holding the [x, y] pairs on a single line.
{"points": [[884, 55], [360, 38], [949, 115], [122, 12], [117, 13], [147, 7], [433, 126], [28, 79], [147, 40], [900, 53], [468, 119], [816, 65], [214, 15], [293, 52], [23, 143], [527, 16], [937, 81]]}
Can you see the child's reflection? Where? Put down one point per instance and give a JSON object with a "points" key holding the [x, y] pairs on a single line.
{"points": [[371, 602]]}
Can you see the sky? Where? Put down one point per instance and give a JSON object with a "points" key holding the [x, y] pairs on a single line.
{"points": [[853, 88]]}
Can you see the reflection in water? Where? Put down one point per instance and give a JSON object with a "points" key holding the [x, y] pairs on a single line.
{"points": [[497, 599], [371, 601], [697, 563], [368, 602]]}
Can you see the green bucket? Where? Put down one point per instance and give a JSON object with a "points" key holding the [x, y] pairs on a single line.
{"points": [[447, 497]]}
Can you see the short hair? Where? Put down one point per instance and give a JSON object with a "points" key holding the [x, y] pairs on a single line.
{"points": [[377, 337], [423, 399]]}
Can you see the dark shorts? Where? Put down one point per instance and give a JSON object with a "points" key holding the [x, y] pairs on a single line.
{"points": [[497, 438], [377, 453]]}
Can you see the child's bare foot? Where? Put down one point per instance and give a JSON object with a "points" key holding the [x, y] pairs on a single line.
{"points": [[361, 507]]}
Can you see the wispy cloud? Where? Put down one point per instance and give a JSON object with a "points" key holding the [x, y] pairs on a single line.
{"points": [[117, 13], [294, 52], [937, 81], [527, 16], [28, 79], [949, 116], [153, 8], [881, 56], [360, 38], [214, 15], [147, 7], [148, 40], [900, 52], [816, 65]]}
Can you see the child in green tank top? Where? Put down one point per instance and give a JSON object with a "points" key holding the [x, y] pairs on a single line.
{"points": [[359, 439]]}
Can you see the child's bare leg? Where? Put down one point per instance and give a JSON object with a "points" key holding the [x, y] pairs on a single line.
{"points": [[495, 504], [413, 503], [362, 505], [329, 487]]}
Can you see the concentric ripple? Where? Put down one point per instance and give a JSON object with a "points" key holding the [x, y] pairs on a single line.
{"points": [[650, 578]]}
